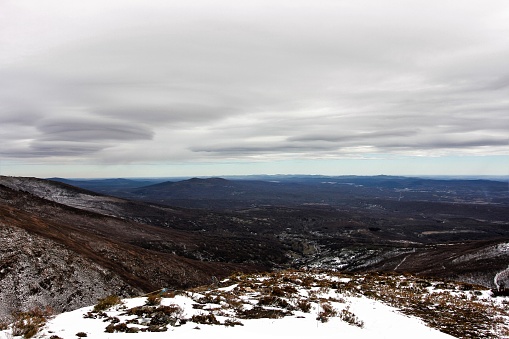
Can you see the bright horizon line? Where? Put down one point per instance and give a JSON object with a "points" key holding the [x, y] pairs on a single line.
{"points": [[455, 166]]}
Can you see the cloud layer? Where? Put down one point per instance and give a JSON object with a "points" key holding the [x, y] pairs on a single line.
{"points": [[194, 81]]}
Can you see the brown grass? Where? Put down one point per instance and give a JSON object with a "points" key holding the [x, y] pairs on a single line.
{"points": [[107, 302], [27, 324]]}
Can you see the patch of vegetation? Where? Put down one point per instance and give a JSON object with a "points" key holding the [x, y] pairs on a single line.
{"points": [[260, 312], [121, 328], [153, 300], [304, 305], [274, 302], [232, 323], [452, 308], [155, 328], [155, 319], [147, 311], [113, 328], [327, 312], [107, 302], [27, 324], [347, 316], [209, 299], [206, 319]]}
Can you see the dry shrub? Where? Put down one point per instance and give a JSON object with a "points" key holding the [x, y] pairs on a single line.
{"points": [[168, 294], [277, 291], [347, 316], [112, 328], [304, 305], [107, 302], [308, 282], [155, 328], [233, 301], [121, 328], [260, 312], [273, 301], [207, 319], [209, 299], [27, 324], [327, 312], [160, 316], [232, 323], [153, 300]]}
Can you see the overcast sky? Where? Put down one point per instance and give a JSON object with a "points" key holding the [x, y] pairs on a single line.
{"points": [[166, 88]]}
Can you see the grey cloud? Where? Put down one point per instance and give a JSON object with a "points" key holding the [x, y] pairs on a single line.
{"points": [[173, 113], [259, 149], [488, 127], [342, 136], [46, 149], [71, 137], [60, 149], [234, 79], [441, 144], [499, 83], [349, 146], [68, 129], [18, 116]]}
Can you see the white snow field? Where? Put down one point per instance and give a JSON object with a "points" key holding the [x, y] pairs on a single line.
{"points": [[293, 304], [380, 321]]}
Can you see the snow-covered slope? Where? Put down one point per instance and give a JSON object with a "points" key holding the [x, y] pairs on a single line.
{"points": [[64, 194], [37, 271], [294, 304], [380, 321]]}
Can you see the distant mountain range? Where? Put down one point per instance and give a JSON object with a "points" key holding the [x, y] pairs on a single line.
{"points": [[223, 194]]}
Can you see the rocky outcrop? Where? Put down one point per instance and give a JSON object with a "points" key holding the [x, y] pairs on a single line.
{"points": [[502, 280]]}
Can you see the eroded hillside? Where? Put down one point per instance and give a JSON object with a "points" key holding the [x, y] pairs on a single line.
{"points": [[62, 257]]}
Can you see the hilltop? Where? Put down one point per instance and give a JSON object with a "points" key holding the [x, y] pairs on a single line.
{"points": [[290, 304]]}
